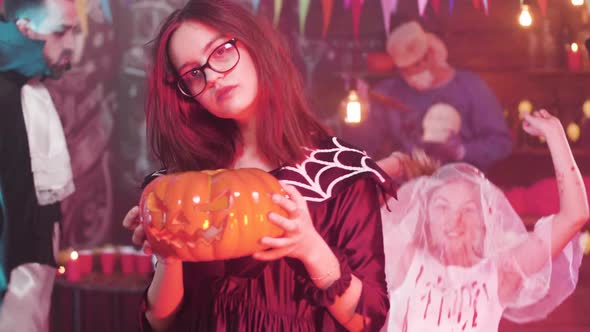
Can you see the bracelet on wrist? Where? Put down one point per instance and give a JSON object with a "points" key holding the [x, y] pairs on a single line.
{"points": [[330, 273]]}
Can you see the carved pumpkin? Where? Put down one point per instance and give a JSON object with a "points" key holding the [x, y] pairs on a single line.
{"points": [[210, 215]]}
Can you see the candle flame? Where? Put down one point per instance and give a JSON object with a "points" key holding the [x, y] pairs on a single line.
{"points": [[575, 47], [74, 255]]}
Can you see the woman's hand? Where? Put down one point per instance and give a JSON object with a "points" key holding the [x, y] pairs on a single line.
{"points": [[541, 124], [404, 167], [300, 240], [132, 223]]}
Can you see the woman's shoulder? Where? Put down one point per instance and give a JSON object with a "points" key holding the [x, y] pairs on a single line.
{"points": [[331, 167]]}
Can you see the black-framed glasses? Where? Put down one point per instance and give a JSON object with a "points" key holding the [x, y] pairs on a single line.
{"points": [[223, 59]]}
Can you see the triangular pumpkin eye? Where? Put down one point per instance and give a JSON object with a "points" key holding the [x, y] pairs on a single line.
{"points": [[155, 204]]}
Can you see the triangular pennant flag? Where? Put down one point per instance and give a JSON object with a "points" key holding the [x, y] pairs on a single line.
{"points": [[277, 12], [451, 6], [327, 7], [435, 6], [356, 17], [106, 10], [588, 5], [422, 6], [303, 11], [81, 10], [486, 7], [543, 6], [347, 4], [388, 7], [255, 5]]}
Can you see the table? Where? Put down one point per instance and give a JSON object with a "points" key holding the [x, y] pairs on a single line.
{"points": [[97, 303]]}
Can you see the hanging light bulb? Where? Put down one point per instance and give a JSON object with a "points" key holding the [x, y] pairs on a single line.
{"points": [[585, 243], [586, 108], [577, 2], [573, 132], [524, 107], [525, 18], [353, 108]]}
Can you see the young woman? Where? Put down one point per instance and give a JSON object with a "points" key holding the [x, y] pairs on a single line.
{"points": [[458, 257], [223, 93]]}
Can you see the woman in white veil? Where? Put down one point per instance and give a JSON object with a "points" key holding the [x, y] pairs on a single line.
{"points": [[458, 257]]}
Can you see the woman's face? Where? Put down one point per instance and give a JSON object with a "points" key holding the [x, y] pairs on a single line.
{"points": [[230, 94], [456, 225]]}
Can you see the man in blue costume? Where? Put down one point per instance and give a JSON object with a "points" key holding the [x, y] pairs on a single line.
{"points": [[36, 41], [451, 114]]}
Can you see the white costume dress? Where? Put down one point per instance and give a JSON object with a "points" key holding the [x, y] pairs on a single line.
{"points": [[428, 296]]}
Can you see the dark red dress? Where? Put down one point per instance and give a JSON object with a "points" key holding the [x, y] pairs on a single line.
{"points": [[342, 187]]}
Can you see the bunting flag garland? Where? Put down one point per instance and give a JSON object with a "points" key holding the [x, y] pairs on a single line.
{"points": [[81, 10], [277, 12], [388, 7], [451, 6], [303, 11], [435, 6], [347, 4], [486, 7], [327, 7], [106, 10], [255, 5], [356, 17], [422, 6]]}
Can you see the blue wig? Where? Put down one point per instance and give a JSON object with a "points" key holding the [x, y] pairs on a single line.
{"points": [[19, 53]]}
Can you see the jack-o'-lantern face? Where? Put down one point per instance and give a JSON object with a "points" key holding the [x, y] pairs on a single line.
{"points": [[209, 215]]}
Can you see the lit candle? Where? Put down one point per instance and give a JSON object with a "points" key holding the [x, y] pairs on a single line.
{"points": [[353, 108], [574, 57], [353, 112], [73, 267]]}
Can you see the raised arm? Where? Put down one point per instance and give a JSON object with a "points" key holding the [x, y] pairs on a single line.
{"points": [[573, 202]]}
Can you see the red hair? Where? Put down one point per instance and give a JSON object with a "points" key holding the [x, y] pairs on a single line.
{"points": [[185, 136]]}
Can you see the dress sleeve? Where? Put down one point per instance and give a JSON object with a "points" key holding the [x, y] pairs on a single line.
{"points": [[356, 238], [362, 237], [541, 292]]}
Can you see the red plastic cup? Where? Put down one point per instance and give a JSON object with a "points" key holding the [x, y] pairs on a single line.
{"points": [[144, 262], [85, 260], [73, 267], [107, 260], [128, 259]]}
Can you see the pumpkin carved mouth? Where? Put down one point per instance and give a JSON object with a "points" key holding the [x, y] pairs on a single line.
{"points": [[211, 214]]}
